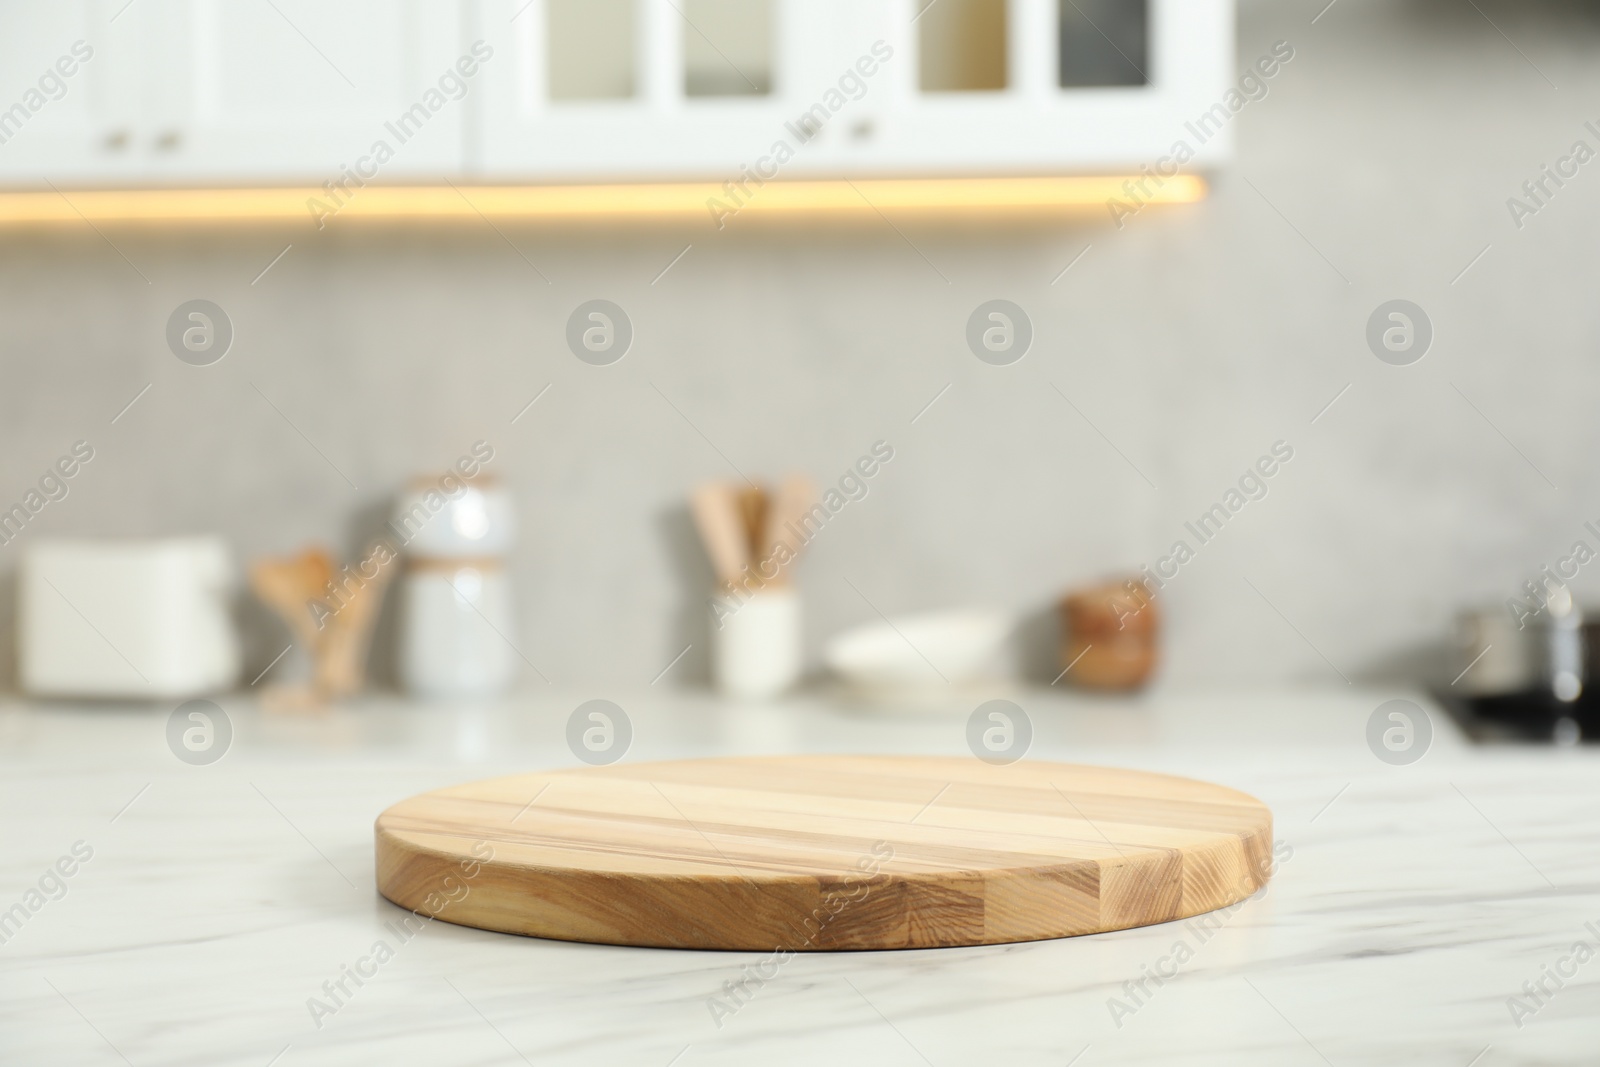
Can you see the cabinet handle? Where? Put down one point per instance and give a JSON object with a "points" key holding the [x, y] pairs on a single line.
{"points": [[115, 141], [169, 141]]}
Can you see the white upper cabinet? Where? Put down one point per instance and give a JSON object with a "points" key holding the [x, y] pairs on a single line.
{"points": [[304, 88], [635, 89], [74, 93], [238, 92]]}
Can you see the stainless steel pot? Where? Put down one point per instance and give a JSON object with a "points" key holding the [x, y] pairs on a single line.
{"points": [[1496, 654], [1492, 655]]}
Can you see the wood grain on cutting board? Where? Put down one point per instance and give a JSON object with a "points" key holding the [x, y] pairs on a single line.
{"points": [[823, 852]]}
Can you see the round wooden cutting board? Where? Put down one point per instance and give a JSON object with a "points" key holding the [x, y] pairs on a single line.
{"points": [[822, 852]]}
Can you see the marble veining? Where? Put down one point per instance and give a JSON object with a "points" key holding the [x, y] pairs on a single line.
{"points": [[1410, 907]]}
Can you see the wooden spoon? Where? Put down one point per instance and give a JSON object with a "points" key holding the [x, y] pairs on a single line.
{"points": [[715, 506], [794, 499], [753, 513], [335, 635]]}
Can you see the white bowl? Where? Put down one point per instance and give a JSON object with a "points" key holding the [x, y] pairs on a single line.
{"points": [[919, 652]]}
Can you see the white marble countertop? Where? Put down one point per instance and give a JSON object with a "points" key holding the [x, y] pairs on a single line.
{"points": [[218, 899]]}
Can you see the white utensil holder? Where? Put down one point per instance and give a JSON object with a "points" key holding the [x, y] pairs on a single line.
{"points": [[755, 642]]}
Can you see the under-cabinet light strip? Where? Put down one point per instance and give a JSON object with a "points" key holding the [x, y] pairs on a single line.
{"points": [[713, 203]]}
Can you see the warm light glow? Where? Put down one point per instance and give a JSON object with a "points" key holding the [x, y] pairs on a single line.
{"points": [[687, 199]]}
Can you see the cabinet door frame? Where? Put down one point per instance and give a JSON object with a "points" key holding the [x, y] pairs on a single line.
{"points": [[157, 94], [88, 136], [231, 146]]}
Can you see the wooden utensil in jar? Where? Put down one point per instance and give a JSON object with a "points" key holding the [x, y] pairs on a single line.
{"points": [[786, 525], [331, 615], [718, 517], [752, 536]]}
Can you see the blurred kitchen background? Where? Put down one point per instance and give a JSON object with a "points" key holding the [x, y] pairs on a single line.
{"points": [[1169, 353]]}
